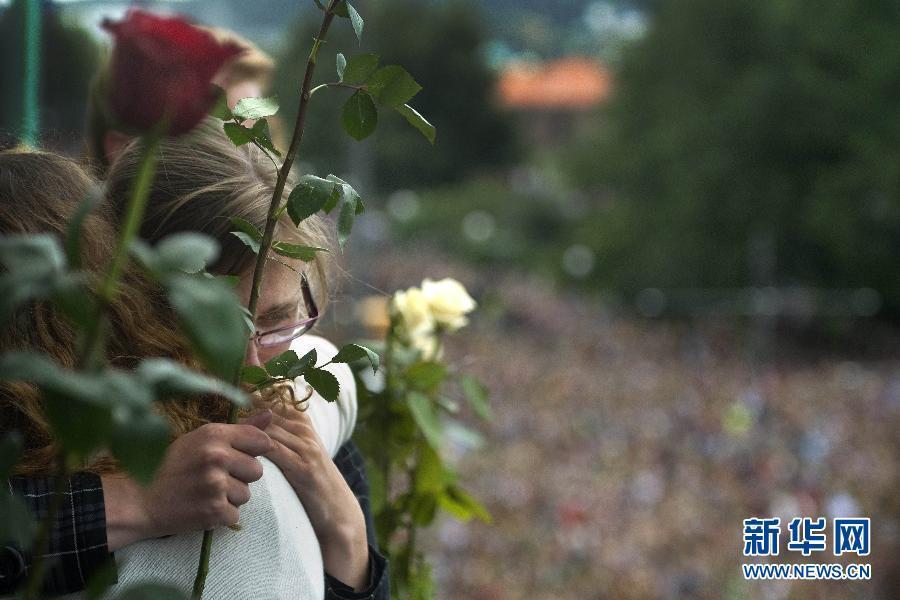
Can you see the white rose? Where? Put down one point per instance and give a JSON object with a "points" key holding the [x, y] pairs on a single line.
{"points": [[414, 310], [449, 302], [426, 342]]}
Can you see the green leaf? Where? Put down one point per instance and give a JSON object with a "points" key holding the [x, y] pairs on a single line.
{"points": [[220, 109], [346, 194], [340, 9], [145, 255], [101, 579], [281, 364], [463, 506], [10, 449], [430, 473], [248, 241], [426, 418], [77, 405], [168, 379], [304, 253], [151, 591], [35, 267], [72, 297], [359, 68], [351, 205], [423, 510], [248, 320], [306, 361], [255, 108], [247, 227], [253, 375], [356, 21], [73, 229], [377, 490], [81, 425], [353, 352], [139, 440], [341, 65], [16, 290], [186, 252], [310, 196], [263, 136], [289, 365], [418, 121], [238, 134], [213, 320], [323, 382], [329, 206], [426, 376], [345, 223], [393, 86], [17, 524], [35, 255], [359, 116], [231, 281], [477, 396]]}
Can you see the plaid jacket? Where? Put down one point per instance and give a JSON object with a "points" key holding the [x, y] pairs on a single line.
{"points": [[78, 549]]}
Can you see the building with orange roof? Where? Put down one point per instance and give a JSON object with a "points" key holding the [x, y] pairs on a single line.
{"points": [[552, 96], [568, 84]]}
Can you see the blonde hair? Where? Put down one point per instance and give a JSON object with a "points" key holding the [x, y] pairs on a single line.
{"points": [[203, 179]]}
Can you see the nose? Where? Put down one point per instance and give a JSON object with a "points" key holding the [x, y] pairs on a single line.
{"points": [[252, 357]]}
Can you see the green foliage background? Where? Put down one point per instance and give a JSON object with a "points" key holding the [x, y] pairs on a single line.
{"points": [[69, 57], [441, 47], [731, 120]]}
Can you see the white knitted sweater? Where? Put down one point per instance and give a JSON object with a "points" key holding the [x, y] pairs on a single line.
{"points": [[275, 555]]}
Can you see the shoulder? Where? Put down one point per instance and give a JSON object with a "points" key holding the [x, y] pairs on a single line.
{"points": [[323, 347]]}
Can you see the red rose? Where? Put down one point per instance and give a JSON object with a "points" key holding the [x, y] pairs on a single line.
{"points": [[161, 69]]}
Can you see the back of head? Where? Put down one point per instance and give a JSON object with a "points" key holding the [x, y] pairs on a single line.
{"points": [[201, 181], [39, 192]]}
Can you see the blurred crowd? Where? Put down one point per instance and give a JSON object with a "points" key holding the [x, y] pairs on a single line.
{"points": [[625, 453]]}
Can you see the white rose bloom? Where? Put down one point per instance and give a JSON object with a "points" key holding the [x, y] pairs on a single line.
{"points": [[414, 310], [449, 302], [424, 341]]}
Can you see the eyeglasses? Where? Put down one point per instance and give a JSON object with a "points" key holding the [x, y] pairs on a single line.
{"points": [[283, 335]]}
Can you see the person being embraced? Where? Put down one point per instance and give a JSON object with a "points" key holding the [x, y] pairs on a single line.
{"points": [[39, 192], [209, 457], [209, 470], [202, 181]]}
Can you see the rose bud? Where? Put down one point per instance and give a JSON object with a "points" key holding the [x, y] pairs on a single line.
{"points": [[160, 72]]}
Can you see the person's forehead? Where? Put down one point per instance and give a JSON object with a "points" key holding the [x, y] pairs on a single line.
{"points": [[280, 286]]}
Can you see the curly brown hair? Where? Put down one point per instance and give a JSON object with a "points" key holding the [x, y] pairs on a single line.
{"points": [[39, 192]]}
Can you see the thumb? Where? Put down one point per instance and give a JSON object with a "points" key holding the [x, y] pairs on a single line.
{"points": [[262, 419]]}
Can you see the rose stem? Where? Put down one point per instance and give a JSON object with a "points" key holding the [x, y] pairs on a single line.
{"points": [[265, 245]]}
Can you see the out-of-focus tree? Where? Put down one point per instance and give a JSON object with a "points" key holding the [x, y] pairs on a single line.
{"points": [[746, 120], [440, 44], [69, 58]]}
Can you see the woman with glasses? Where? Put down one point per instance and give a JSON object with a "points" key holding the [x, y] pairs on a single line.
{"points": [[305, 518], [302, 517]]}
